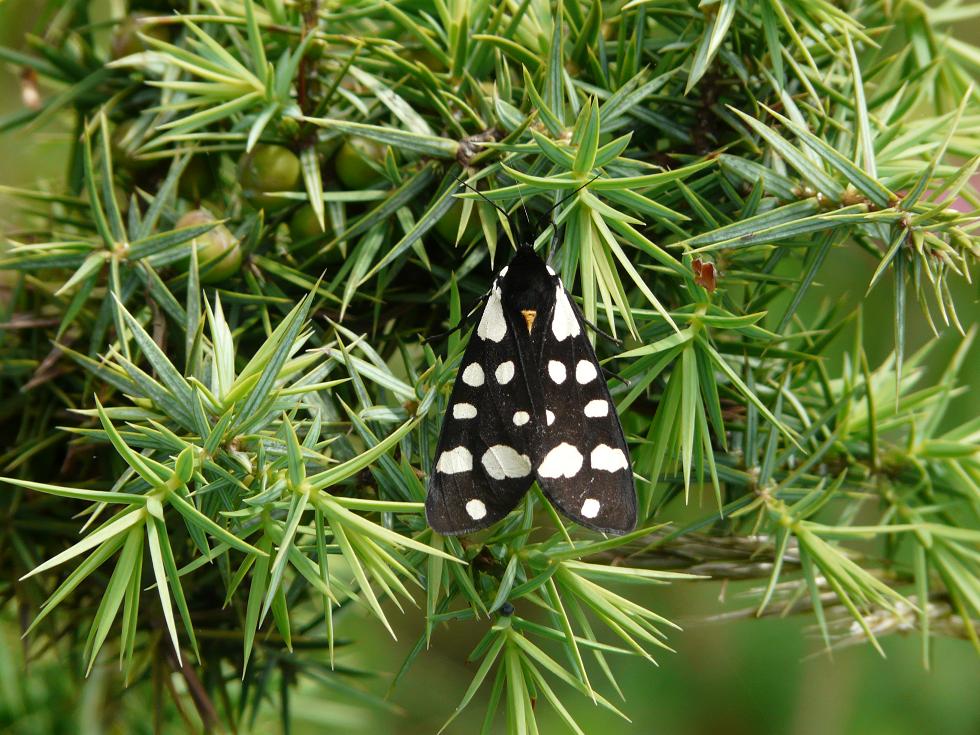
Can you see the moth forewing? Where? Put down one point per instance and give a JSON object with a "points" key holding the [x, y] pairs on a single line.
{"points": [[584, 465], [480, 473]]}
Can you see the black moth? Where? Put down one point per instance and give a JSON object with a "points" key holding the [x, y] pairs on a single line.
{"points": [[530, 403]]}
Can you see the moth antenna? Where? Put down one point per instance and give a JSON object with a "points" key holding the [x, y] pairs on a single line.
{"points": [[484, 197], [527, 217], [564, 199], [553, 244], [510, 224]]}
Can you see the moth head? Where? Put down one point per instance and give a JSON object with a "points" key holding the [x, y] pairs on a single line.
{"points": [[527, 288]]}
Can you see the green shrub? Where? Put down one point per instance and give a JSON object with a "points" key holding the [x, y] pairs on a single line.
{"points": [[246, 461]]}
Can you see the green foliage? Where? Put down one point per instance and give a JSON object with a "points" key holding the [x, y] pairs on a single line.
{"points": [[246, 463]]}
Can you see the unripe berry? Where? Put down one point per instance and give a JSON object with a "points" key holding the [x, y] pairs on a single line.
{"points": [[198, 179], [304, 228], [218, 254], [269, 168], [352, 163]]}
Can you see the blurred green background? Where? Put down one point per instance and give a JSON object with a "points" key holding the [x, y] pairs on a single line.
{"points": [[749, 676]]}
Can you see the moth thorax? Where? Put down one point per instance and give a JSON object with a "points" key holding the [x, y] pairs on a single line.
{"points": [[529, 317]]}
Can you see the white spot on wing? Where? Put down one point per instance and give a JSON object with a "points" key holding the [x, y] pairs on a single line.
{"points": [[504, 372], [521, 418], [562, 461], [550, 417], [476, 509], [454, 461], [557, 371], [492, 326], [563, 321], [597, 409], [473, 375], [464, 411], [503, 271], [551, 271], [585, 372], [590, 508], [606, 458], [501, 462]]}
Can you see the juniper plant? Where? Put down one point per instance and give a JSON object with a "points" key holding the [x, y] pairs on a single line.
{"points": [[219, 409]]}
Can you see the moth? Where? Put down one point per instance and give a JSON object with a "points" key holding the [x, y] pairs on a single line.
{"points": [[530, 404]]}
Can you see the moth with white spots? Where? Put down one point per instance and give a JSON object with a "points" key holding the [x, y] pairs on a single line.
{"points": [[529, 405]]}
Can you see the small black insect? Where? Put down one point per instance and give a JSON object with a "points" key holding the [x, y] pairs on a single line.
{"points": [[530, 403]]}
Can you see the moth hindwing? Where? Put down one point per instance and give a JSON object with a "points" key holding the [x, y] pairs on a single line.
{"points": [[530, 403]]}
